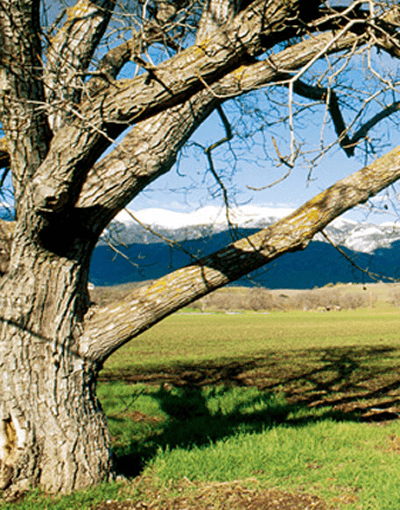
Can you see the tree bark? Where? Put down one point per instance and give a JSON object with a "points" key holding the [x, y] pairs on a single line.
{"points": [[52, 429]]}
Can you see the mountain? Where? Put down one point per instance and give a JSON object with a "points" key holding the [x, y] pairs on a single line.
{"points": [[143, 255]]}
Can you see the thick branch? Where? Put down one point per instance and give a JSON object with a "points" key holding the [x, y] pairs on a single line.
{"points": [[113, 326], [69, 55], [261, 26], [21, 89], [150, 149], [245, 78]]}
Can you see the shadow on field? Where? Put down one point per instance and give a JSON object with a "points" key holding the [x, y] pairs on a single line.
{"points": [[349, 383], [192, 422]]}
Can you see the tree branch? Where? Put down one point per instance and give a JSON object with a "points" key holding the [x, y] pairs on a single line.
{"points": [[4, 154], [69, 54], [329, 96], [23, 118], [346, 142], [111, 327], [362, 132], [114, 60], [215, 15], [258, 27], [150, 148]]}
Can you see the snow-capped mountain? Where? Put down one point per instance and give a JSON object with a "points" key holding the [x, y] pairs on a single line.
{"points": [[142, 254], [208, 221]]}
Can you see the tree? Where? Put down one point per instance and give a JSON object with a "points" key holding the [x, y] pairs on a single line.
{"points": [[63, 105]]}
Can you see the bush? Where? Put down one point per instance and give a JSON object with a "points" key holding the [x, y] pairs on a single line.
{"points": [[258, 298]]}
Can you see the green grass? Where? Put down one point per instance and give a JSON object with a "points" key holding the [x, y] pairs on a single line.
{"points": [[80, 500], [298, 401], [220, 434], [303, 389], [176, 339], [329, 458]]}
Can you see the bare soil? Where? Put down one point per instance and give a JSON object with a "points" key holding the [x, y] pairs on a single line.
{"points": [[221, 496]]}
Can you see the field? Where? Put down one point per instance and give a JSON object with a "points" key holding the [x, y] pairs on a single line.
{"points": [[278, 410]]}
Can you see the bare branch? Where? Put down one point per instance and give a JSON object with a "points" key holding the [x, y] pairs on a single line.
{"points": [[140, 158], [208, 152], [328, 96], [136, 99], [283, 160], [362, 132], [170, 242]]}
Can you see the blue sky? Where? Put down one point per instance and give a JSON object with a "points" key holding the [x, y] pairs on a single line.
{"points": [[184, 190], [192, 187]]}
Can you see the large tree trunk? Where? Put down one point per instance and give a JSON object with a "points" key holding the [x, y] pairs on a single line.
{"points": [[52, 429]]}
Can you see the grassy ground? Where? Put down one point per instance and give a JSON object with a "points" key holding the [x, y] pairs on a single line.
{"points": [[247, 411]]}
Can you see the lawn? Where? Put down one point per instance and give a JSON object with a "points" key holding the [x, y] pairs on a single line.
{"points": [[235, 411], [295, 401]]}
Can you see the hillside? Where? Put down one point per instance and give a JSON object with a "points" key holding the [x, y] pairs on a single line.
{"points": [[316, 266]]}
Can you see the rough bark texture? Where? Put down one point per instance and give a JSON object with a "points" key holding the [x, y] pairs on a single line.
{"points": [[60, 113], [52, 430]]}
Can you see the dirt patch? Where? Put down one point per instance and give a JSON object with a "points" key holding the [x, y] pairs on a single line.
{"points": [[224, 496]]}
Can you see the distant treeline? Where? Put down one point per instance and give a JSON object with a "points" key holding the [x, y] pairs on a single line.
{"points": [[257, 299]]}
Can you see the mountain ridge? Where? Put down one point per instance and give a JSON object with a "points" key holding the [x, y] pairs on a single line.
{"points": [[149, 258], [361, 237]]}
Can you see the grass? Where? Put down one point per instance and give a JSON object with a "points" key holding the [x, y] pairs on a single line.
{"points": [[221, 339], [302, 402], [308, 401], [224, 434]]}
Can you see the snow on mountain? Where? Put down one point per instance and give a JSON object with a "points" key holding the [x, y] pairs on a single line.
{"points": [[361, 237], [246, 216]]}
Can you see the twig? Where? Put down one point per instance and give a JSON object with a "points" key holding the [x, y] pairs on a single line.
{"points": [[208, 150], [373, 276], [170, 242], [284, 161]]}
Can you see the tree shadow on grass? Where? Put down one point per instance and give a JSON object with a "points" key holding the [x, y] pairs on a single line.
{"points": [[199, 416], [349, 383]]}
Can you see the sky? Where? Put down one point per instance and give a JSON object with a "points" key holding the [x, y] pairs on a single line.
{"points": [[185, 191], [190, 187]]}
